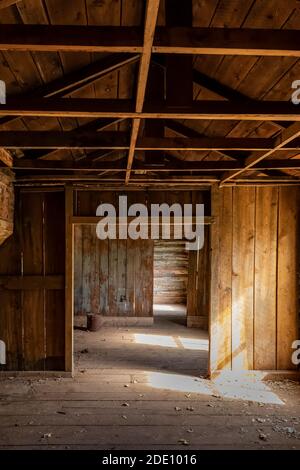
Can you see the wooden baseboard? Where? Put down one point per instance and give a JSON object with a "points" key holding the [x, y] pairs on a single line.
{"points": [[127, 321], [80, 321]]}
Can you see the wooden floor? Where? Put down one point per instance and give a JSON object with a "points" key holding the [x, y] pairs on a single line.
{"points": [[139, 388]]}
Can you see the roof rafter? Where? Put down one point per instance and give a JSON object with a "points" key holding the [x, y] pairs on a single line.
{"points": [[152, 7]]}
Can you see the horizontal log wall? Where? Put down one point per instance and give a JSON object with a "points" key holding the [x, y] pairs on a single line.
{"points": [[32, 282], [255, 250], [170, 272]]}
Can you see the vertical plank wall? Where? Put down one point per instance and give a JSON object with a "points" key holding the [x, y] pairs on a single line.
{"points": [[32, 267], [254, 286], [198, 292], [112, 278]]}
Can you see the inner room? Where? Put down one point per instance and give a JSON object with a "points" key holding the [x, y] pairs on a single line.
{"points": [[170, 275], [139, 305]]}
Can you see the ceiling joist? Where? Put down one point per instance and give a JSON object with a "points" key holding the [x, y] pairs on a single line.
{"points": [[167, 40], [173, 166], [117, 140], [122, 108]]}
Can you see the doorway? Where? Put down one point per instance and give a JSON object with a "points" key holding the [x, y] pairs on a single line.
{"points": [[170, 279]]}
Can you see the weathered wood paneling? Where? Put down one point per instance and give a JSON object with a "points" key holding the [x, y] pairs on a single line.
{"points": [[265, 278], [242, 277], [254, 308], [10, 301], [198, 292], [287, 274], [114, 277], [170, 272], [221, 281], [32, 298], [54, 239]]}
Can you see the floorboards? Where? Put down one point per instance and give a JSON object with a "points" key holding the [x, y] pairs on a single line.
{"points": [[139, 388]]}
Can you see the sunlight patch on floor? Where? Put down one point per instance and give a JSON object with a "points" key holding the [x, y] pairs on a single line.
{"points": [[248, 388], [168, 308], [194, 344], [172, 341], [245, 389], [155, 340], [179, 383]]}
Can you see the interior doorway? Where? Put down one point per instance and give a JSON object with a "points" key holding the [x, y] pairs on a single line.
{"points": [[170, 279]]}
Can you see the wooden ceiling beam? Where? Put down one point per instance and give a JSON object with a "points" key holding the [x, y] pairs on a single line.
{"points": [[282, 140], [168, 40], [117, 140], [106, 108], [227, 41], [113, 140], [136, 181], [71, 38], [151, 13], [81, 177], [173, 166], [67, 165]]}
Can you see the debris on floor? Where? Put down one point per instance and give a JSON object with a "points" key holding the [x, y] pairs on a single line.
{"points": [[184, 442]]}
